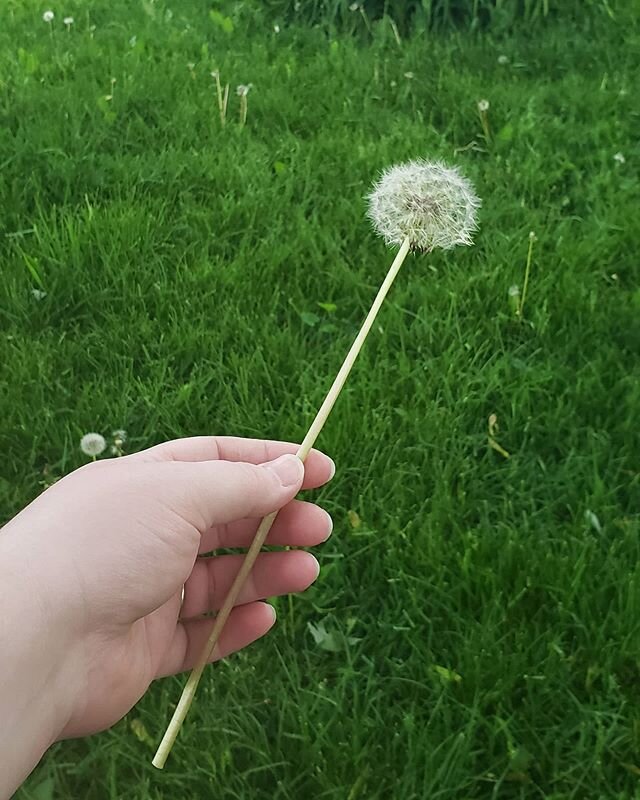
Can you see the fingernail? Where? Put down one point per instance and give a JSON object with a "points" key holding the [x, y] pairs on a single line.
{"points": [[333, 468], [329, 524], [317, 565], [288, 468], [273, 613]]}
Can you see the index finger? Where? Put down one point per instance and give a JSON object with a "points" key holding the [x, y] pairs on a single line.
{"points": [[318, 467]]}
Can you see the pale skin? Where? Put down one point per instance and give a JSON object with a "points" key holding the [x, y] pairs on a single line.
{"points": [[92, 571]]}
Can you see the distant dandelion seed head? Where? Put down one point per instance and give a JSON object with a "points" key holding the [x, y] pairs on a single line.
{"points": [[48, 16], [92, 444], [68, 21], [428, 202], [243, 89], [483, 106]]}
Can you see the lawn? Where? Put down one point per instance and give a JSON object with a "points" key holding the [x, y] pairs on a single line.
{"points": [[475, 629]]}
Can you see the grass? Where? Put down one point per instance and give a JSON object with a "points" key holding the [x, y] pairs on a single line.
{"points": [[474, 632]]}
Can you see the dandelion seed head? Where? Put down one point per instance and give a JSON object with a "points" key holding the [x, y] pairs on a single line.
{"points": [[92, 444], [119, 436], [483, 106], [503, 60], [619, 157], [48, 16], [243, 89], [428, 202], [68, 21]]}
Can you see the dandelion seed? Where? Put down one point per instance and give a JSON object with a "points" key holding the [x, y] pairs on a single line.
{"points": [[619, 158], [48, 16], [502, 60], [68, 21], [92, 444], [432, 204]]}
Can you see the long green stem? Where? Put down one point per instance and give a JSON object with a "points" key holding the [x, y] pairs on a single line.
{"points": [[189, 690]]}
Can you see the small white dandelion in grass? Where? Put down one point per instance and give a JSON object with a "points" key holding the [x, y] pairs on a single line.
{"points": [[502, 60], [483, 111], [68, 21], [242, 91], [38, 294], [93, 444], [429, 203], [48, 16], [619, 158], [514, 299], [276, 29], [419, 205], [119, 438]]}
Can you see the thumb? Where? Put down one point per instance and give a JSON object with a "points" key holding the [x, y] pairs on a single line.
{"points": [[216, 492]]}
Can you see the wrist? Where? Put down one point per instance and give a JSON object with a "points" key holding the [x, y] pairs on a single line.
{"points": [[36, 668]]}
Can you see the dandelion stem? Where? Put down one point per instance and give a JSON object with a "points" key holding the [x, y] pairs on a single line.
{"points": [[243, 110], [225, 100], [189, 690], [527, 271]]}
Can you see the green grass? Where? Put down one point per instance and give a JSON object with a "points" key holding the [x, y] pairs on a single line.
{"points": [[482, 621]]}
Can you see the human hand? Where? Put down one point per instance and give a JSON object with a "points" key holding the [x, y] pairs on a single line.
{"points": [[106, 551]]}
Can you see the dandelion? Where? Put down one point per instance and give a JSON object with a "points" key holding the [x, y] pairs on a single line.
{"points": [[483, 108], [119, 438], [276, 29], [418, 205], [502, 60], [514, 299], [48, 16], [619, 158], [68, 21], [425, 201], [92, 444], [242, 91], [38, 294]]}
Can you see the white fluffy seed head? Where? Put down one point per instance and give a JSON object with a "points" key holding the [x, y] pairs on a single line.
{"points": [[92, 444], [427, 201]]}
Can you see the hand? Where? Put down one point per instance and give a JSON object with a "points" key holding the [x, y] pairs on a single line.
{"points": [[105, 552]]}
